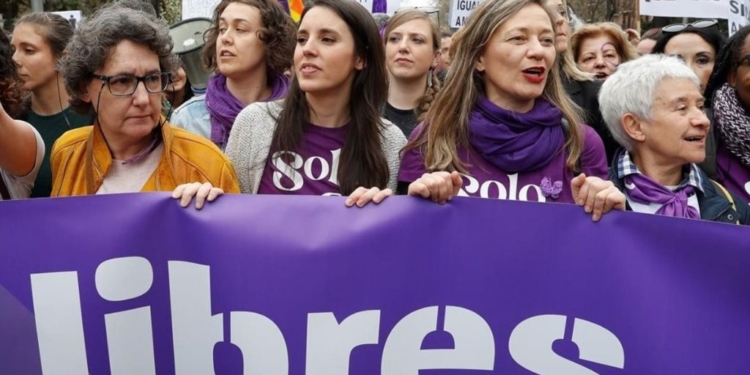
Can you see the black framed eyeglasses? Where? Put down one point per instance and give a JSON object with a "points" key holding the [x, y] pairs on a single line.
{"points": [[677, 27], [126, 84]]}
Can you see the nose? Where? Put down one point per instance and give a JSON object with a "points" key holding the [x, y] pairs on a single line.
{"points": [[403, 45], [141, 95], [600, 63], [16, 58], [536, 49], [700, 119], [226, 37], [309, 49]]}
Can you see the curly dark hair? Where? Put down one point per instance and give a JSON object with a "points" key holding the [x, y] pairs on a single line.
{"points": [[726, 62], [11, 94], [95, 39], [279, 35]]}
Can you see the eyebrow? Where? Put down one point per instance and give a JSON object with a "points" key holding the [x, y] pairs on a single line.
{"points": [[122, 73], [526, 30]]}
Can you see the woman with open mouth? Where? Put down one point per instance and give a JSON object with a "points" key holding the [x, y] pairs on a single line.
{"points": [[654, 108], [506, 129], [327, 136], [249, 46], [582, 87], [599, 48]]}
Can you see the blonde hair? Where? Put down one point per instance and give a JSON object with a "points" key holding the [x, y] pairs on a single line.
{"points": [[565, 59], [446, 124], [433, 83], [624, 48]]}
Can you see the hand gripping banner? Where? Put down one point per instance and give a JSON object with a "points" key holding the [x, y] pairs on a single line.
{"points": [[273, 285]]}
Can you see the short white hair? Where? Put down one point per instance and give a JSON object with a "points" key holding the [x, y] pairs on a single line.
{"points": [[632, 87]]}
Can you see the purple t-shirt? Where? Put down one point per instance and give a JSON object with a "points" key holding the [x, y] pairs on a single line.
{"points": [[731, 173], [550, 183], [310, 171]]}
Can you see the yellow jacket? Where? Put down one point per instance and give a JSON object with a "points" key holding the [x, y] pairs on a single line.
{"points": [[81, 158]]}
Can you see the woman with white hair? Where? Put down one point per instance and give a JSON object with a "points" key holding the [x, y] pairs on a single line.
{"points": [[654, 108]]}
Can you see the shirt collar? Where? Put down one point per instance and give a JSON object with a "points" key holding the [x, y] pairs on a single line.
{"points": [[691, 174]]}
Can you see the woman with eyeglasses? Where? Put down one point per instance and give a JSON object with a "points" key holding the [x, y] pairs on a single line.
{"points": [[249, 46], [39, 40], [697, 44], [599, 48], [119, 63], [412, 49], [728, 98]]}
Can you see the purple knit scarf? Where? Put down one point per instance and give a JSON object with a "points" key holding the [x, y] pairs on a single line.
{"points": [[517, 142], [224, 107]]}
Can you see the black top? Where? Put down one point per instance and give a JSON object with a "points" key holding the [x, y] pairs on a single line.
{"points": [[585, 95], [405, 119]]}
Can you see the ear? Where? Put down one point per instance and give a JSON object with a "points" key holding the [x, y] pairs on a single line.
{"points": [[732, 79], [438, 54], [359, 63], [633, 127], [86, 93], [479, 65]]}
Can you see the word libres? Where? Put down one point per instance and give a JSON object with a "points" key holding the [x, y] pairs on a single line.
{"points": [[330, 341]]}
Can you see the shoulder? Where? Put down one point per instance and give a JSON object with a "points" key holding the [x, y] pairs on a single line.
{"points": [[183, 138], [262, 110], [72, 138], [196, 102], [392, 135], [259, 117]]}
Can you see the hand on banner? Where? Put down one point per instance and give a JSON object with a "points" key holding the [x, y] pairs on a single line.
{"points": [[438, 186], [597, 196], [201, 192], [362, 196]]}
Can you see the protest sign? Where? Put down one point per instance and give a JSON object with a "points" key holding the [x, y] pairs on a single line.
{"points": [[73, 16], [703, 9], [134, 284]]}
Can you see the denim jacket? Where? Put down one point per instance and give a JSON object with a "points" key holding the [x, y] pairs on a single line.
{"points": [[193, 116]]}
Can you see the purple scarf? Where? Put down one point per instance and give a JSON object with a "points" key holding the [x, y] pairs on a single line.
{"points": [[516, 142], [224, 107], [642, 189]]}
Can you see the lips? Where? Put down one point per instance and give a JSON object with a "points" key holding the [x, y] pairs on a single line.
{"points": [[403, 60], [309, 68], [695, 139], [535, 74], [225, 53], [601, 76]]}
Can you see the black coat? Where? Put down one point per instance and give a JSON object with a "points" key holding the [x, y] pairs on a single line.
{"points": [[585, 95]]}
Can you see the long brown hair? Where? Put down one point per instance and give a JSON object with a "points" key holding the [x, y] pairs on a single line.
{"points": [[433, 83], [446, 124], [362, 162]]}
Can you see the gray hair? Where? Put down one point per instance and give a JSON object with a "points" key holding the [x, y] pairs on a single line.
{"points": [[95, 39], [632, 87]]}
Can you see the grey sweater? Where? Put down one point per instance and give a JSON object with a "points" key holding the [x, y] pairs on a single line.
{"points": [[250, 141]]}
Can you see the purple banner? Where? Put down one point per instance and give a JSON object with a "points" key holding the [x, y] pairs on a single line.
{"points": [[133, 284]]}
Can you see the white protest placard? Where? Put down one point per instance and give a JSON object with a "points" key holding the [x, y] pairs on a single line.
{"points": [[718, 9], [460, 10], [198, 8], [73, 16], [739, 15]]}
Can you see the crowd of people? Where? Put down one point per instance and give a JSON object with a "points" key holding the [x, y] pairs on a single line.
{"points": [[521, 103]]}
